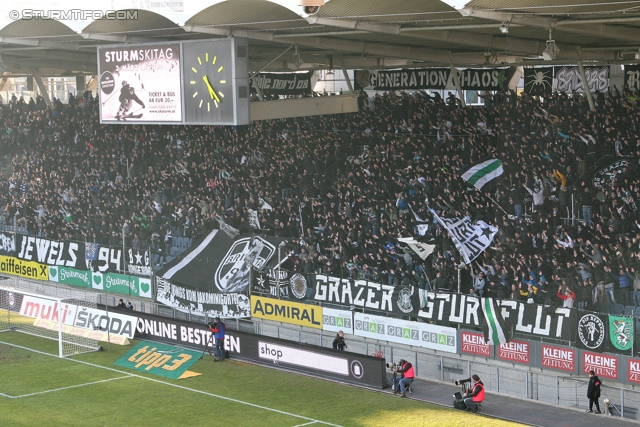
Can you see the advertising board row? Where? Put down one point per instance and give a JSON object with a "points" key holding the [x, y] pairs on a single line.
{"points": [[556, 357], [395, 330], [342, 366]]}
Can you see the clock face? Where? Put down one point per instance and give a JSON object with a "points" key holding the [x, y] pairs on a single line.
{"points": [[208, 83]]}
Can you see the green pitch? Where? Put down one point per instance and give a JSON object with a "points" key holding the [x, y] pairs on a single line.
{"points": [[39, 389]]}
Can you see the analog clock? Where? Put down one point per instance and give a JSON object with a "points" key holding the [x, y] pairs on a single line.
{"points": [[208, 84], [211, 81]]}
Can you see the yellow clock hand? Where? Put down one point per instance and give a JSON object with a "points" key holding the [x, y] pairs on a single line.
{"points": [[212, 92]]}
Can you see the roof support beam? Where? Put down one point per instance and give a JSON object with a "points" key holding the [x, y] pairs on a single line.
{"points": [[571, 26], [41, 86], [39, 43], [513, 45]]}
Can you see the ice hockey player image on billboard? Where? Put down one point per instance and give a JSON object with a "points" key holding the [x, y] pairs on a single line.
{"points": [[140, 84]]}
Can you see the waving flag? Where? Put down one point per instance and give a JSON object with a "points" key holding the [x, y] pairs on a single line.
{"points": [[480, 174], [493, 325], [471, 238]]}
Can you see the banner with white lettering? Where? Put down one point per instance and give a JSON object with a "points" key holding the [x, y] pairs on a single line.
{"points": [[218, 263], [430, 78], [592, 331], [406, 332], [632, 78], [283, 83], [470, 238], [139, 262], [50, 252], [364, 294], [7, 244], [569, 79], [201, 302], [558, 357], [538, 81], [533, 319], [271, 282]]}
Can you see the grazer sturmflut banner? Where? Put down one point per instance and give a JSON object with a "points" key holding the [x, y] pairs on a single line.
{"points": [[430, 78], [213, 275], [140, 83], [532, 319], [400, 300], [283, 83]]}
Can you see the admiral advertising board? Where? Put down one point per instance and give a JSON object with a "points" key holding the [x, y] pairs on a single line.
{"points": [[294, 313], [338, 365]]}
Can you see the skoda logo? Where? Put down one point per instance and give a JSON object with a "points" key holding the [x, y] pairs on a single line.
{"points": [[591, 331], [404, 300], [298, 285]]}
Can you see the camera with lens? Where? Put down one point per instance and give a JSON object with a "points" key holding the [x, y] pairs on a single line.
{"points": [[462, 382], [392, 365]]}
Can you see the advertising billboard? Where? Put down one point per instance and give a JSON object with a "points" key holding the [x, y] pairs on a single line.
{"points": [[140, 83]]}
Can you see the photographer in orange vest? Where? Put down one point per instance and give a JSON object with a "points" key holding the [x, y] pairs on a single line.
{"points": [[405, 369], [475, 395]]}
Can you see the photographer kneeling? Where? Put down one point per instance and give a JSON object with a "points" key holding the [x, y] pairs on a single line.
{"points": [[405, 369], [475, 395]]}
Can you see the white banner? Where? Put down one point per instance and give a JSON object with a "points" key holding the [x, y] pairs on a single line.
{"points": [[406, 332], [81, 317], [337, 320]]}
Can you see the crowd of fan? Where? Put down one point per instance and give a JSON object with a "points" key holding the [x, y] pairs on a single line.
{"points": [[343, 188]]}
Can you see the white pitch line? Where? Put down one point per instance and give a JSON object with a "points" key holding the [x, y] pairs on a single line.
{"points": [[306, 424], [6, 395], [241, 402], [69, 387]]}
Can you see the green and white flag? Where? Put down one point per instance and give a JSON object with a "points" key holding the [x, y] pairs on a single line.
{"points": [[480, 174], [621, 332], [493, 326]]}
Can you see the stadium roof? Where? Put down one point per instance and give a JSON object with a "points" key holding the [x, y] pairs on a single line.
{"points": [[344, 33]]}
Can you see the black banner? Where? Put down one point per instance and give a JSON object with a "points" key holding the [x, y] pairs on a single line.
{"points": [[218, 263], [139, 262], [532, 319], [50, 252], [326, 362], [283, 83], [365, 294], [592, 331], [271, 282], [431, 78], [632, 78], [538, 81], [7, 244]]}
